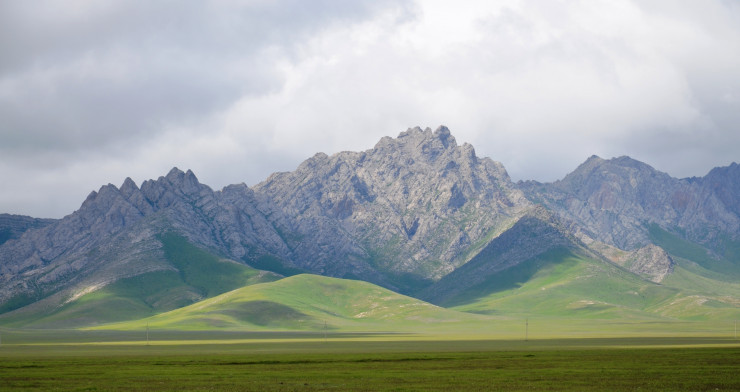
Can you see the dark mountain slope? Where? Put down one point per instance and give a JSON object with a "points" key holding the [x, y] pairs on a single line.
{"points": [[13, 226], [535, 234]]}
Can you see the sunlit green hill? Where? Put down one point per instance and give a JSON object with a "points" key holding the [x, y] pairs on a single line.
{"points": [[306, 302], [566, 284]]}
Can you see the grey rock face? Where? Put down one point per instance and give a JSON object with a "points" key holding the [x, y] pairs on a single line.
{"points": [[13, 226], [227, 221], [412, 206], [650, 262], [723, 183], [62, 253], [613, 200], [115, 233]]}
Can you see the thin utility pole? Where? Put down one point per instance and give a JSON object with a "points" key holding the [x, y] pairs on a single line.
{"points": [[526, 330]]}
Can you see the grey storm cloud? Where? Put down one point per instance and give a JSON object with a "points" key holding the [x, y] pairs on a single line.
{"points": [[77, 75], [93, 92]]}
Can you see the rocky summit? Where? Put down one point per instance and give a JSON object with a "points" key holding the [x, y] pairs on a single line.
{"points": [[418, 213], [408, 211], [612, 201]]}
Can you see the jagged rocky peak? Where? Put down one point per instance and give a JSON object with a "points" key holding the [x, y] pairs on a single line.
{"points": [[185, 179], [129, 183], [105, 193], [588, 165], [129, 188], [613, 199], [725, 183], [415, 154], [417, 159], [174, 173], [618, 184], [420, 142], [177, 178], [724, 173], [416, 202], [616, 170], [312, 163], [168, 189], [441, 134], [111, 197]]}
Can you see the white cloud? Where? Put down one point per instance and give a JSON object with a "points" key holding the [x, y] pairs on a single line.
{"points": [[237, 91]]}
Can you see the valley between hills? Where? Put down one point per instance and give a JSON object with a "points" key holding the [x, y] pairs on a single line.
{"points": [[417, 235]]}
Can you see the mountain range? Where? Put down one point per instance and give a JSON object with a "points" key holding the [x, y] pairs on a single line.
{"points": [[417, 214]]}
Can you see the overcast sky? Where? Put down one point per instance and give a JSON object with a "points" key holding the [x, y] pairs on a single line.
{"points": [[92, 92]]}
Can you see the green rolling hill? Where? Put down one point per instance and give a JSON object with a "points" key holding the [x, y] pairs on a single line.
{"points": [[306, 302], [565, 284], [562, 286]]}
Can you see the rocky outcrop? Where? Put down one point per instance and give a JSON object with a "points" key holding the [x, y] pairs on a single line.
{"points": [[414, 207], [723, 184], [115, 234], [650, 262], [613, 201], [13, 226], [65, 252], [227, 221]]}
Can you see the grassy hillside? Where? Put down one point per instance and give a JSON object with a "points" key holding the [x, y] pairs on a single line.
{"points": [[562, 289], [195, 275], [724, 266], [563, 284], [305, 302]]}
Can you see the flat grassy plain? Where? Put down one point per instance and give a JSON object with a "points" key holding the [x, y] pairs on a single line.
{"points": [[314, 361]]}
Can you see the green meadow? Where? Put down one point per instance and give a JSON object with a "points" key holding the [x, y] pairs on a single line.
{"points": [[317, 361]]}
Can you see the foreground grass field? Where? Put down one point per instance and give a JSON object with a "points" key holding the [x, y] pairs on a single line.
{"points": [[290, 361]]}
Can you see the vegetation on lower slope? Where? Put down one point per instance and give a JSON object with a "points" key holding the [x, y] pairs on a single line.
{"points": [[196, 275], [304, 302], [564, 284], [701, 297], [725, 266], [561, 284]]}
